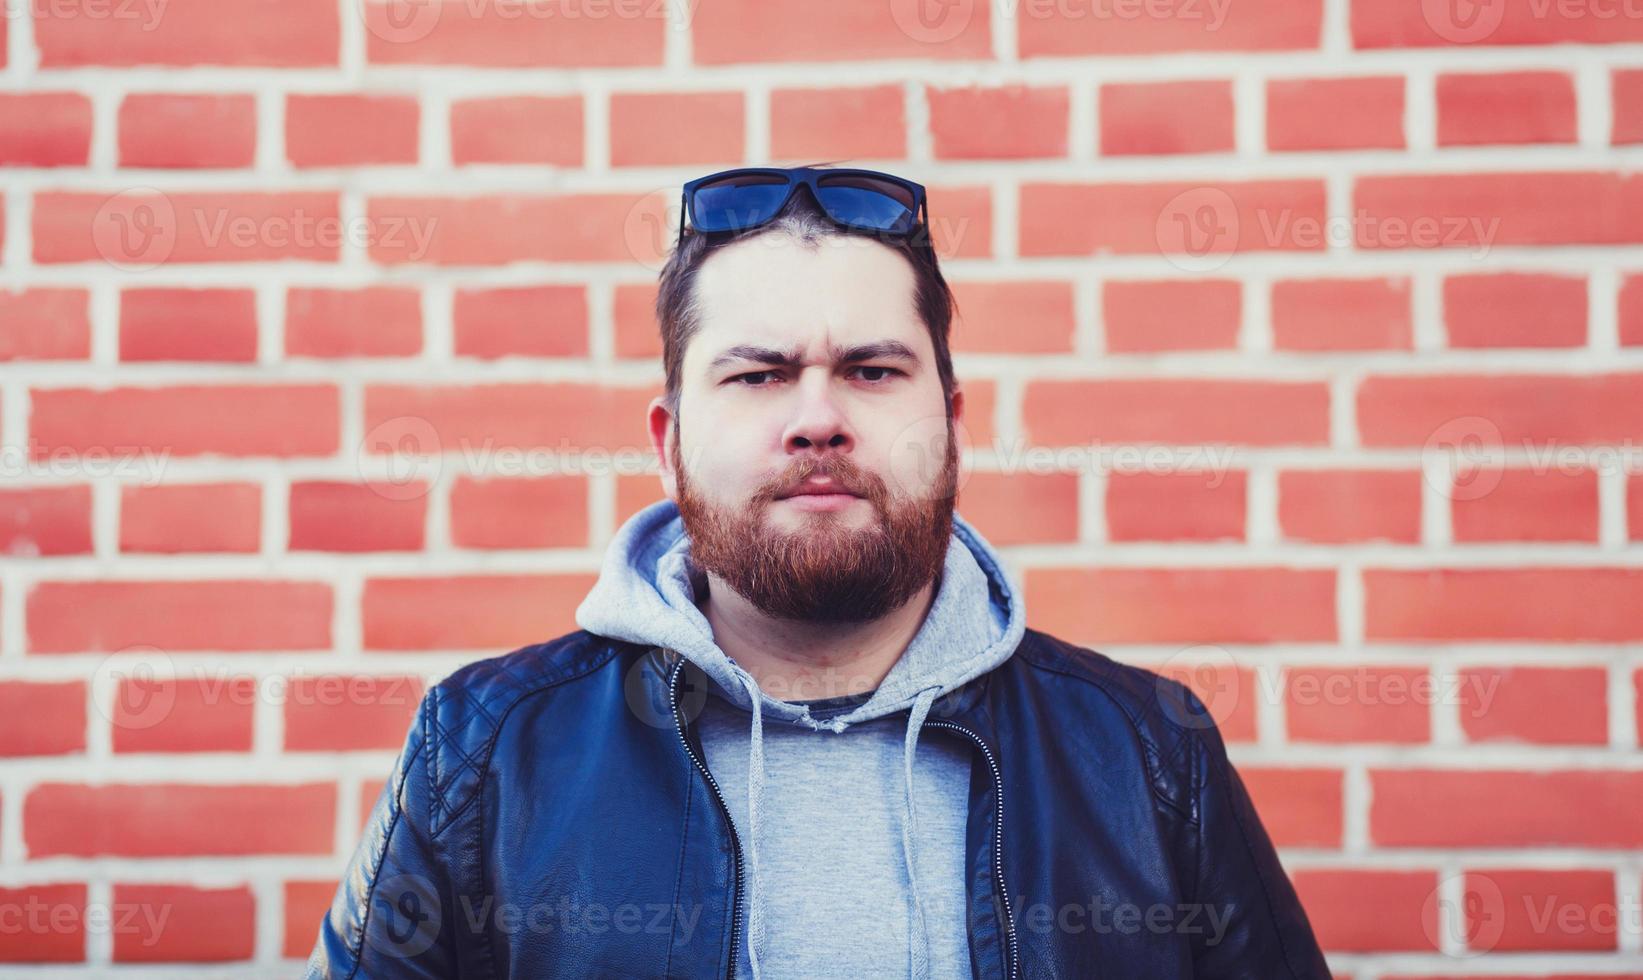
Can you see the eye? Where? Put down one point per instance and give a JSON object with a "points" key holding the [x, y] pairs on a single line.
{"points": [[740, 379], [888, 373]]}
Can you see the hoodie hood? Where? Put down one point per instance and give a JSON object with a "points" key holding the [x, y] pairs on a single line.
{"points": [[647, 594]]}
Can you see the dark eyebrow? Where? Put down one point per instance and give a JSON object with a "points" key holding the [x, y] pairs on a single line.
{"points": [[893, 350]]}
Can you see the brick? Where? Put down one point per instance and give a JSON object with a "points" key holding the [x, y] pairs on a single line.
{"points": [[514, 35], [518, 129], [1347, 506], [44, 718], [337, 713], [1335, 113], [188, 325], [1631, 311], [763, 31], [1177, 412], [188, 420], [638, 332], [177, 131], [45, 520], [141, 820], [998, 122], [532, 321], [563, 417], [1359, 704], [1634, 507], [199, 713], [1529, 505], [838, 123], [58, 935], [961, 222], [1494, 209], [536, 512], [1561, 409], [238, 33], [45, 129], [306, 905], [1176, 506], [350, 130], [1515, 310], [77, 226], [1515, 22], [1167, 218], [1045, 28], [1144, 118], [1185, 605], [1405, 917], [470, 613], [220, 614], [1505, 808], [45, 324], [1626, 94], [1535, 705], [1520, 909], [341, 516], [1016, 317], [1022, 508], [376, 321], [499, 229], [676, 128], [201, 925], [1171, 314], [1341, 314], [1298, 807], [182, 518], [1505, 107], [1553, 604]]}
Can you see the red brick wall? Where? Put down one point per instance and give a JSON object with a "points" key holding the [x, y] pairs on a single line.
{"points": [[1302, 341]]}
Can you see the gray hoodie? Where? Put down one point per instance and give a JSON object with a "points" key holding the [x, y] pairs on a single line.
{"points": [[821, 852]]}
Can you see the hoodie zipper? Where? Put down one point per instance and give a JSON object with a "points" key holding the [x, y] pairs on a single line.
{"points": [[1011, 953], [713, 784]]}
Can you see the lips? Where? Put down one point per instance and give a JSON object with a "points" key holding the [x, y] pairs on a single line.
{"points": [[819, 489]]}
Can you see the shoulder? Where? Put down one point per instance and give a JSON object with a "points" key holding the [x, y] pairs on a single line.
{"points": [[462, 715], [1169, 723]]}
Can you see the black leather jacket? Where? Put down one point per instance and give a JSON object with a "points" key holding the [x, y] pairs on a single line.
{"points": [[551, 816]]}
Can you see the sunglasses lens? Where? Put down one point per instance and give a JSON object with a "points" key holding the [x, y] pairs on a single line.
{"points": [[738, 201], [868, 202]]}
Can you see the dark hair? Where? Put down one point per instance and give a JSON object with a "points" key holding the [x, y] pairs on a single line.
{"points": [[678, 314]]}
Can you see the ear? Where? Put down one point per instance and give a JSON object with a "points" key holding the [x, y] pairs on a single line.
{"points": [[958, 402], [663, 432]]}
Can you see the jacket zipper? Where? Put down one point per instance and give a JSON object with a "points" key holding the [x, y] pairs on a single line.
{"points": [[713, 784], [1011, 953]]}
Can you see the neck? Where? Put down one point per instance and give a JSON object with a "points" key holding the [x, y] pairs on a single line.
{"points": [[800, 661]]}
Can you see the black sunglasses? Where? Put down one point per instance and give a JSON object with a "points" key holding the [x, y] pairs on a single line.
{"points": [[866, 201]]}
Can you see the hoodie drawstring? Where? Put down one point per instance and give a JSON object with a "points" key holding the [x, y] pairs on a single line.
{"points": [[755, 790], [918, 932]]}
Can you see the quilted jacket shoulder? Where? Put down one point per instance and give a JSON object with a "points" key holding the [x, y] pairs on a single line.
{"points": [[463, 714]]}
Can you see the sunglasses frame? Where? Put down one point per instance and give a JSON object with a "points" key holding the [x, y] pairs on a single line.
{"points": [[808, 177]]}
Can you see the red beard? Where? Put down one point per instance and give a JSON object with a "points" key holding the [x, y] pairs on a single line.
{"points": [[828, 570]]}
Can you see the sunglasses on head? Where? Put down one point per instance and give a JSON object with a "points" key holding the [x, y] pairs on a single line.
{"points": [[866, 201]]}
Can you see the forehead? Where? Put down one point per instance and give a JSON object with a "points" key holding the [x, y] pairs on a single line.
{"points": [[772, 290]]}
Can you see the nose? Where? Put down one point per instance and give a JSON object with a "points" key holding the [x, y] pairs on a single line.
{"points": [[818, 422]]}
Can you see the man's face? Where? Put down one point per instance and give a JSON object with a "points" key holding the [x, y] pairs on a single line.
{"points": [[813, 366]]}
